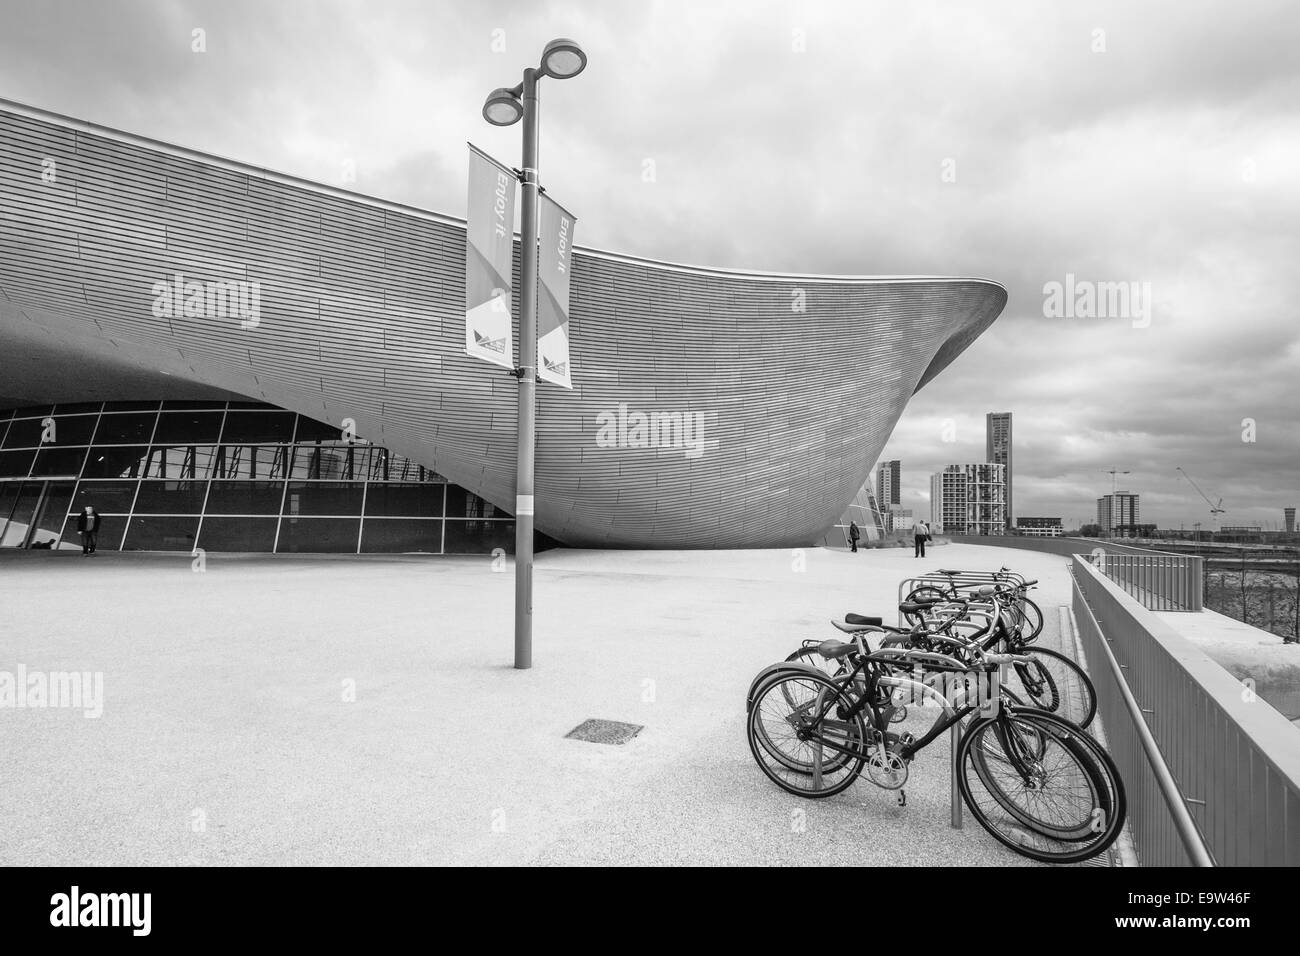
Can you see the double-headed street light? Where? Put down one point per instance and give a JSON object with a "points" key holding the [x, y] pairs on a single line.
{"points": [[561, 59]]}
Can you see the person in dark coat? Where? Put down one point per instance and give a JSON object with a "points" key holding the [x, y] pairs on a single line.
{"points": [[854, 534], [88, 528], [920, 535]]}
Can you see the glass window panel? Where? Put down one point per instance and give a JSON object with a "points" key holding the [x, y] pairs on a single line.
{"points": [[335, 462], [479, 537], [250, 461], [8, 495], [77, 408], [16, 464], [462, 504], [180, 461], [59, 461], [6, 414], [311, 430], [245, 498], [319, 534], [22, 515], [115, 461], [389, 466], [51, 515], [131, 406], [72, 430], [124, 429], [25, 433], [404, 500], [255, 405], [161, 533], [237, 534], [171, 497], [200, 428], [110, 533], [323, 498], [107, 497], [253, 427], [401, 535]]}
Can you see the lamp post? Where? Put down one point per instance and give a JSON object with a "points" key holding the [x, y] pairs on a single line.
{"points": [[561, 59]]}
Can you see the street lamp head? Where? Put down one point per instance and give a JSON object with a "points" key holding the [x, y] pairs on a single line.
{"points": [[503, 108], [562, 59]]}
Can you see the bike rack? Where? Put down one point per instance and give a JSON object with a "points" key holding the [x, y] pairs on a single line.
{"points": [[964, 579], [961, 580]]}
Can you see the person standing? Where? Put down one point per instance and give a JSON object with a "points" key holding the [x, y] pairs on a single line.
{"points": [[920, 536], [854, 534], [88, 527]]}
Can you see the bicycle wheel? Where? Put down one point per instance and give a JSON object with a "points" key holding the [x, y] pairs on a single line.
{"points": [[1031, 621], [808, 654], [1051, 681], [788, 736], [1041, 786]]}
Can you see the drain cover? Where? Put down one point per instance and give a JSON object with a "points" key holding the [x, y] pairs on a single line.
{"points": [[604, 731]]}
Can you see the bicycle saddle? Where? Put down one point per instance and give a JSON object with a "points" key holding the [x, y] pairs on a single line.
{"points": [[857, 628], [831, 650], [863, 619]]}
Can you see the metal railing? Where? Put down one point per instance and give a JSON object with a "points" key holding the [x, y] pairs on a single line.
{"points": [[1212, 772], [1161, 581]]}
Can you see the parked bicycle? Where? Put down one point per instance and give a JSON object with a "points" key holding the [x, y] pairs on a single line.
{"points": [[1034, 780], [966, 628], [1027, 618]]}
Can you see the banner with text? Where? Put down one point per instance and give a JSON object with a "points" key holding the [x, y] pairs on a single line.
{"points": [[489, 245], [556, 226]]}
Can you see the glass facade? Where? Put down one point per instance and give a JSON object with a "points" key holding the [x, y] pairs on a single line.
{"points": [[225, 476]]}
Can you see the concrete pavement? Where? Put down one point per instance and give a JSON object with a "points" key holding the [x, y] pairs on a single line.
{"points": [[316, 710]]}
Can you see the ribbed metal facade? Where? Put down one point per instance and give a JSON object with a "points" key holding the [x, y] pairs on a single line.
{"points": [[797, 381]]}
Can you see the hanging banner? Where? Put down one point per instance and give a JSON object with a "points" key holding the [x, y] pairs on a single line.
{"points": [[556, 228], [489, 245]]}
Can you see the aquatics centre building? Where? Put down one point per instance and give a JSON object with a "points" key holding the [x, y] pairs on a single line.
{"points": [[218, 356]]}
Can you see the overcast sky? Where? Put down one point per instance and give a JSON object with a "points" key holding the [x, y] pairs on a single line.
{"points": [[1148, 143]]}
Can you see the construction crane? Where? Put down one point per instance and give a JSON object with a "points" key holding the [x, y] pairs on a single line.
{"points": [[1216, 508], [1110, 520], [1113, 472]]}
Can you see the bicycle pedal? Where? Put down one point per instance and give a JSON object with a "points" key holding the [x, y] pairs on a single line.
{"points": [[902, 798]]}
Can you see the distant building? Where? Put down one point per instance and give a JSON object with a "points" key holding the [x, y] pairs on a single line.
{"points": [[888, 491], [1117, 510], [969, 499], [1040, 527], [900, 519], [997, 450], [1288, 516]]}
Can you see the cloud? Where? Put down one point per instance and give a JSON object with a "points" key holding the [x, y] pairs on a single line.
{"points": [[1154, 143]]}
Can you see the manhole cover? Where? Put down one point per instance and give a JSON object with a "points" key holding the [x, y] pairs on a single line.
{"points": [[604, 731]]}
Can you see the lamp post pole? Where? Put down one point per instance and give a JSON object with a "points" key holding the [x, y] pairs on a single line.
{"points": [[562, 59], [527, 382]]}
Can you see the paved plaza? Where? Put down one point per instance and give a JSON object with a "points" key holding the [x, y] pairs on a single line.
{"points": [[309, 710]]}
